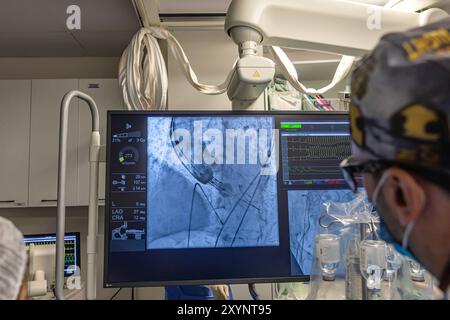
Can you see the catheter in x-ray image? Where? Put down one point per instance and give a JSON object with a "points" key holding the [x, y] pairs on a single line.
{"points": [[202, 205]]}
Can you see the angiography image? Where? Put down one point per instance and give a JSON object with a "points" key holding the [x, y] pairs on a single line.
{"points": [[305, 207], [205, 183]]}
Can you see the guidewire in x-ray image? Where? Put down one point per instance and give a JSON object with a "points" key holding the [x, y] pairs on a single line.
{"points": [[229, 206]]}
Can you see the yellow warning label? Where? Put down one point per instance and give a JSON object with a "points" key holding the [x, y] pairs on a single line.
{"points": [[257, 74]]}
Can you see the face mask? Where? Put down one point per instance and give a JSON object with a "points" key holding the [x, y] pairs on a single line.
{"points": [[387, 236], [384, 233]]}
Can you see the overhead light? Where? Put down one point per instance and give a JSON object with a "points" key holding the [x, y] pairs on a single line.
{"points": [[194, 7]]}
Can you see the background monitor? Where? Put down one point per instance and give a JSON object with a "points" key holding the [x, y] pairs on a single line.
{"points": [[218, 197], [45, 252]]}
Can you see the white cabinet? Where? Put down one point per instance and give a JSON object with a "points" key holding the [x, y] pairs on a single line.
{"points": [[45, 111], [14, 141], [108, 96], [29, 139]]}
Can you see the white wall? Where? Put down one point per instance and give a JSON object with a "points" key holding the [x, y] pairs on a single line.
{"points": [[212, 54], [58, 68], [446, 5], [333, 93]]}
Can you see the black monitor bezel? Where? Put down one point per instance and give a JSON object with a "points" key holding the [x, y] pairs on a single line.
{"points": [[78, 247], [302, 278]]}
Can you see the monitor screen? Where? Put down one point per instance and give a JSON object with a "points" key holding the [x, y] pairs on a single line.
{"points": [[224, 197], [311, 151], [71, 248]]}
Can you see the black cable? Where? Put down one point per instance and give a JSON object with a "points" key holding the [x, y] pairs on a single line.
{"points": [[234, 207], [197, 185], [230, 293], [252, 290], [115, 294], [306, 224], [132, 293], [246, 211]]}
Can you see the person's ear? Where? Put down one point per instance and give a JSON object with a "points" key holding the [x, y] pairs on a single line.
{"points": [[404, 195]]}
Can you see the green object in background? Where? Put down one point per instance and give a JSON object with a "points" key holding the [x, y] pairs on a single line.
{"points": [[291, 126]]}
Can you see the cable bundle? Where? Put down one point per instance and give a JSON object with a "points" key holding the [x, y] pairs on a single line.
{"points": [[143, 72]]}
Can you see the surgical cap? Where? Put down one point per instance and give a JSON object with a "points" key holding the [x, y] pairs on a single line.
{"points": [[400, 109], [12, 260]]}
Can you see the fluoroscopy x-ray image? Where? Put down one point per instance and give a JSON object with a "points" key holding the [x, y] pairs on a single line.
{"points": [[305, 207], [210, 204]]}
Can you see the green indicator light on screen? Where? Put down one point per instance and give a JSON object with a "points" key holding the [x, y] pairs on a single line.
{"points": [[291, 126]]}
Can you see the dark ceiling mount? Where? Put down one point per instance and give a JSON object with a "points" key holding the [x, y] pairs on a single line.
{"points": [[165, 17]]}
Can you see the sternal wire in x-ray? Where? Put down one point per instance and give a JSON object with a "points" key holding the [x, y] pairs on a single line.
{"points": [[204, 176]]}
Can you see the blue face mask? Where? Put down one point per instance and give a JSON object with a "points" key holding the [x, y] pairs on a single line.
{"points": [[387, 236], [384, 232]]}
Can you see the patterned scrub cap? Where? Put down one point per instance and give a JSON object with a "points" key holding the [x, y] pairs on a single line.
{"points": [[400, 106]]}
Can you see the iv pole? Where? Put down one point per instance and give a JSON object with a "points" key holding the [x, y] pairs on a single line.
{"points": [[94, 159]]}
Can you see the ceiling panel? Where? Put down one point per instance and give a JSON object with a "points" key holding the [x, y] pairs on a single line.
{"points": [[37, 28], [36, 44], [217, 6], [38, 15], [374, 2], [193, 6], [50, 15], [107, 15], [103, 43]]}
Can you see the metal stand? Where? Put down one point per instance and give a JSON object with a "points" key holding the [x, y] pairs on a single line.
{"points": [[94, 158]]}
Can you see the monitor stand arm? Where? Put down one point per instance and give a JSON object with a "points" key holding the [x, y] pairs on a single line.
{"points": [[94, 159]]}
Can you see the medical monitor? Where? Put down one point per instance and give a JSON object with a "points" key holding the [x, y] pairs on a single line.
{"points": [[48, 243], [218, 197]]}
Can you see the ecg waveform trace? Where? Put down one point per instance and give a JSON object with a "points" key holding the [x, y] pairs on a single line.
{"points": [[314, 148], [70, 255], [314, 170], [69, 252], [315, 157]]}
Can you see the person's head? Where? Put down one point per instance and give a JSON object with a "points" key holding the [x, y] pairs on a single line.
{"points": [[13, 260], [400, 123]]}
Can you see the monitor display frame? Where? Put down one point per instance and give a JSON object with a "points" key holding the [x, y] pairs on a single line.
{"points": [[282, 198], [67, 234]]}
